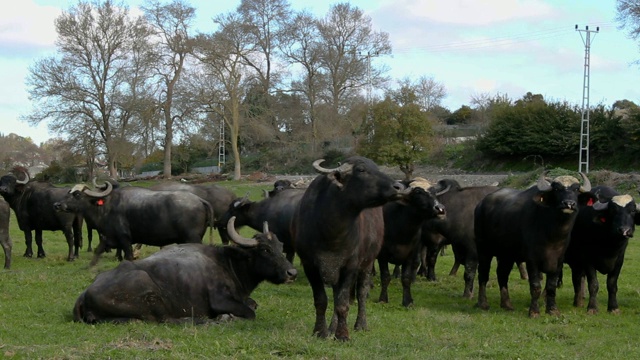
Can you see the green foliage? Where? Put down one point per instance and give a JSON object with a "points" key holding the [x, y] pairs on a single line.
{"points": [[56, 173], [460, 116], [532, 127], [400, 134]]}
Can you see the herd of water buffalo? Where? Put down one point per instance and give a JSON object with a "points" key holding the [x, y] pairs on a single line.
{"points": [[338, 225]]}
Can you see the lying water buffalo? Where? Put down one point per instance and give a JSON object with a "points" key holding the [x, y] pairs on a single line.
{"points": [[187, 282]]}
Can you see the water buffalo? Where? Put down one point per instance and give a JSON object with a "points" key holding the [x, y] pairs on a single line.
{"points": [[187, 282], [455, 229], [338, 231], [599, 239], [129, 215], [277, 210], [403, 220], [5, 240], [32, 202], [219, 197], [532, 225]]}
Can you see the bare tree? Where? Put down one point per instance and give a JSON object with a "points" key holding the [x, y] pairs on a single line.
{"points": [[221, 85], [301, 45], [264, 22], [350, 43], [430, 93], [628, 15], [85, 81], [172, 25]]}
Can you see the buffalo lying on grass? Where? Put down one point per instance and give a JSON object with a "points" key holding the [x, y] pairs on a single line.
{"points": [[187, 282]]}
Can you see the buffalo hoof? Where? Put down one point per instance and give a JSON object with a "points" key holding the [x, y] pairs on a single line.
{"points": [[614, 311], [482, 306], [534, 314], [41, 256], [28, 255], [554, 312], [592, 311]]}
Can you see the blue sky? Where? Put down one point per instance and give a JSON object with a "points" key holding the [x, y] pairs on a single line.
{"points": [[472, 47]]}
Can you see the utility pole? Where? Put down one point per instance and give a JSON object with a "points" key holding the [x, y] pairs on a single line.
{"points": [[583, 161], [369, 119]]}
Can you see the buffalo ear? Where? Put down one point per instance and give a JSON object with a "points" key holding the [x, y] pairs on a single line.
{"points": [[587, 199], [540, 198], [336, 178]]}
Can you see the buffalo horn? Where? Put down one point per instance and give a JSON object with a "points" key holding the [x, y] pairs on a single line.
{"points": [[543, 182], [586, 184], [444, 190], [265, 230], [98, 194], [236, 238], [26, 178], [322, 170], [600, 205]]}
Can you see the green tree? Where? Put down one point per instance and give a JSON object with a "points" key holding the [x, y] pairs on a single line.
{"points": [[532, 126], [399, 133]]}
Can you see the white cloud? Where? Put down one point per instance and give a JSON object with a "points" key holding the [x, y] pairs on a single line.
{"points": [[470, 12], [26, 23]]}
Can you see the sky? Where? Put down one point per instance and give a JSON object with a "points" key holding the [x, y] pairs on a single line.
{"points": [[507, 47]]}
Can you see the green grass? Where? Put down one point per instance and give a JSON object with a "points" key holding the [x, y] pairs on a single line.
{"points": [[37, 296]]}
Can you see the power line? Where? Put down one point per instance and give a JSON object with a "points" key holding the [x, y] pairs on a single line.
{"points": [[494, 42]]}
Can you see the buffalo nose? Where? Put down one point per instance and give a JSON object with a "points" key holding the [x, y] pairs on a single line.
{"points": [[626, 232], [292, 273], [440, 209], [398, 186], [569, 204]]}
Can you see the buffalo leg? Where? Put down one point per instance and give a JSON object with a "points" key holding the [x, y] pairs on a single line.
{"points": [[522, 267], [68, 234], [6, 246], [484, 265], [408, 277], [577, 279], [550, 288], [41, 253], [385, 279], [341, 296], [503, 271], [594, 286], [320, 301], [612, 291], [27, 242], [470, 268], [430, 260], [362, 292], [535, 289]]}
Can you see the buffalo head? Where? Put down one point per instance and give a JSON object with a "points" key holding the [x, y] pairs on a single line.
{"points": [[563, 192]]}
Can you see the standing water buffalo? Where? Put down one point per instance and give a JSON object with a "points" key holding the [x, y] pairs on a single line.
{"points": [[277, 210], [133, 214], [533, 226], [5, 240], [338, 231], [187, 282], [599, 239], [219, 197], [455, 229], [32, 202], [403, 220]]}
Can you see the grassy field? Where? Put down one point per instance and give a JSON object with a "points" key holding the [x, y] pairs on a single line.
{"points": [[37, 296]]}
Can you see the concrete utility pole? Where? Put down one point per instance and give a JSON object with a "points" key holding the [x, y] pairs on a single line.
{"points": [[583, 162]]}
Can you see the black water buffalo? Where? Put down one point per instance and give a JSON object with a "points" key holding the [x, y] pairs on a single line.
{"points": [[338, 231], [402, 223], [219, 197], [5, 240], [278, 186], [32, 202], [599, 239], [532, 225], [277, 210], [130, 215], [187, 282], [455, 229]]}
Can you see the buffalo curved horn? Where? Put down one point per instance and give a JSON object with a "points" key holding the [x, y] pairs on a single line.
{"points": [[236, 238], [98, 194], [586, 184], [26, 178], [265, 230], [600, 205], [322, 170], [444, 190], [543, 183]]}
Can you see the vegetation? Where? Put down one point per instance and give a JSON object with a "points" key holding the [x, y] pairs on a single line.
{"points": [[37, 295]]}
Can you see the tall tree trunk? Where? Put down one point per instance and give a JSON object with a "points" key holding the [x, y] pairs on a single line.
{"points": [[168, 143]]}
